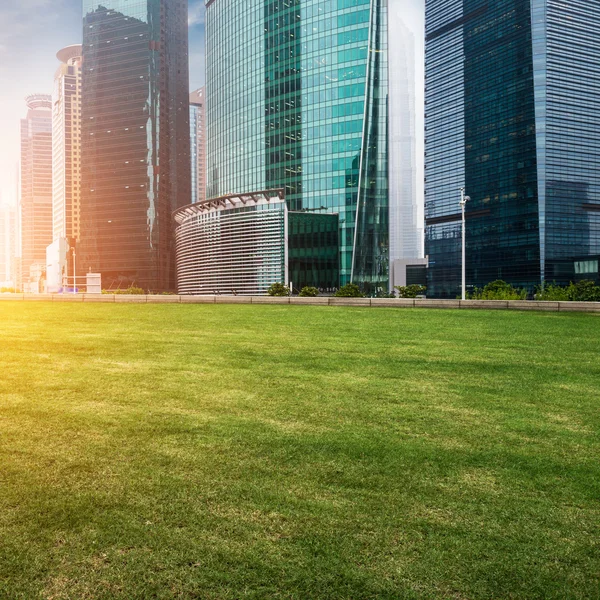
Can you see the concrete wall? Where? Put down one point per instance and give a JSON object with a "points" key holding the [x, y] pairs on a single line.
{"points": [[319, 301]]}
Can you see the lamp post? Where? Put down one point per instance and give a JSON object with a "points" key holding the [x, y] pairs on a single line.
{"points": [[463, 202]]}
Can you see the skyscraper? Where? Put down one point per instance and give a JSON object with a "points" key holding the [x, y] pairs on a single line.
{"points": [[66, 143], [8, 245], [406, 231], [297, 98], [35, 201], [135, 139], [198, 139], [513, 115]]}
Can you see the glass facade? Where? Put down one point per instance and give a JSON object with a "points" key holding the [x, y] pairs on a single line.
{"points": [[512, 112], [567, 58], [297, 98], [35, 199], [313, 251], [135, 139]]}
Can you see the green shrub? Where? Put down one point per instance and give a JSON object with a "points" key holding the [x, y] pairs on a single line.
{"points": [[498, 290], [552, 293], [131, 291], [278, 289], [350, 290], [411, 291], [7, 290], [309, 292], [582, 291]]}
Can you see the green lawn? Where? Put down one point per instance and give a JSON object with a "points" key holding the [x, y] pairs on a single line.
{"points": [[228, 452]]}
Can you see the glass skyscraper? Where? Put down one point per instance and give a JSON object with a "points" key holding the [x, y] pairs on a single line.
{"points": [[513, 115], [66, 144], [135, 139], [35, 200], [297, 98]]}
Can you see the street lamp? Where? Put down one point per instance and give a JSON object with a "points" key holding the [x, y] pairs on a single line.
{"points": [[463, 202]]}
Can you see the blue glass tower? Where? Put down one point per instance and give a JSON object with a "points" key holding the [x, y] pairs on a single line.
{"points": [[513, 115], [297, 98]]}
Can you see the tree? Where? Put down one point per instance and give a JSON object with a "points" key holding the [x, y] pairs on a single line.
{"points": [[350, 290], [278, 289]]}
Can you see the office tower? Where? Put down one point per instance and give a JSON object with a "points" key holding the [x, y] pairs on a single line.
{"points": [[66, 143], [8, 245], [135, 140], [297, 98], [406, 232], [198, 139], [35, 188], [513, 115]]}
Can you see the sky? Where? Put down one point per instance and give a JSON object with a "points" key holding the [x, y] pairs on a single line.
{"points": [[32, 31]]}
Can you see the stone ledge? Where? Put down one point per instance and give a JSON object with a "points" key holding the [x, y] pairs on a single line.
{"points": [[13, 297], [393, 302], [317, 300], [37, 297], [197, 299], [130, 299], [333, 301], [579, 306], [532, 305], [67, 297], [485, 304], [586, 307], [233, 299], [98, 297], [164, 299], [437, 303], [270, 300]]}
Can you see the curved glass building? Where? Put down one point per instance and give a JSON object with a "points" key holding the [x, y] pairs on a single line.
{"points": [[231, 245], [297, 98]]}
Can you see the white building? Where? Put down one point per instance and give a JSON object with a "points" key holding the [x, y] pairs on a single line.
{"points": [[406, 228], [8, 246], [198, 140]]}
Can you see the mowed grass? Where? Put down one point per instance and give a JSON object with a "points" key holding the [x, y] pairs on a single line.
{"points": [[226, 452]]}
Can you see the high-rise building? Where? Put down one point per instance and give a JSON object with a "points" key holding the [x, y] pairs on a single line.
{"points": [[513, 115], [297, 98], [135, 148], [198, 139], [35, 200], [8, 245], [66, 143]]}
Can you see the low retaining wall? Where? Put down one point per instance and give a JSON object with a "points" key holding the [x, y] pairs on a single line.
{"points": [[319, 301]]}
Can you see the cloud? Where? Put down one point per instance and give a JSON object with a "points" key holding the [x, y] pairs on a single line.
{"points": [[196, 13]]}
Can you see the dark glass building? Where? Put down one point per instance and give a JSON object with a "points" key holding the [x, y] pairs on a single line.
{"points": [[513, 115], [298, 98], [135, 139]]}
